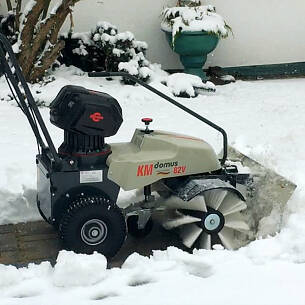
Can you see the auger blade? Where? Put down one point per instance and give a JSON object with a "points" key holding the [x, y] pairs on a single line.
{"points": [[228, 239], [236, 222], [232, 204], [214, 198], [189, 234], [205, 241], [196, 204], [178, 220]]}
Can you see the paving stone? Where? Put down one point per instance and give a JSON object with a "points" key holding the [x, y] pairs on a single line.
{"points": [[34, 242]]}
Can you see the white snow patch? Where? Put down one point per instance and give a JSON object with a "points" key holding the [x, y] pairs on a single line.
{"points": [[85, 37], [199, 18], [186, 83], [131, 67], [56, 7], [80, 51], [117, 52], [106, 25], [29, 6], [228, 77], [145, 72], [125, 36], [79, 270], [172, 275], [9, 275]]}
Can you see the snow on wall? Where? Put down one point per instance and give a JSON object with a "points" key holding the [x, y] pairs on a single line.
{"points": [[265, 32]]}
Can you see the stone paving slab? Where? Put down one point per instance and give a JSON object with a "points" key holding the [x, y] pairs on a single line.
{"points": [[23, 243], [30, 242]]}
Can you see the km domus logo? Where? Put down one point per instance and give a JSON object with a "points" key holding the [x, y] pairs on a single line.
{"points": [[147, 169]]}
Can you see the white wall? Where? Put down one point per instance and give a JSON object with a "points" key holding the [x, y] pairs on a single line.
{"points": [[142, 17], [265, 32]]}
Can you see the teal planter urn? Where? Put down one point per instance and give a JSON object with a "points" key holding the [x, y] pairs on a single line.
{"points": [[193, 48]]}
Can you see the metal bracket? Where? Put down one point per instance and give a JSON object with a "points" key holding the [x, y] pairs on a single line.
{"points": [[144, 216]]}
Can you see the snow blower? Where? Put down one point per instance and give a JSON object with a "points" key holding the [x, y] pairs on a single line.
{"points": [[185, 185]]}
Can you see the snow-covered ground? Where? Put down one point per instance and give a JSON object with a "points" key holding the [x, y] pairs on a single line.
{"points": [[264, 119]]}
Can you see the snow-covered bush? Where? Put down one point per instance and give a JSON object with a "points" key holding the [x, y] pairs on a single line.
{"points": [[187, 85], [191, 15], [105, 49]]}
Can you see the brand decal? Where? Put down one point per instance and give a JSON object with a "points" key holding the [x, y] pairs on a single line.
{"points": [[165, 164], [162, 169], [96, 117], [159, 173], [179, 169], [145, 170]]}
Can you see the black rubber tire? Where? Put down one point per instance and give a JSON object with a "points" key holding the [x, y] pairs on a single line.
{"points": [[133, 230], [94, 208]]}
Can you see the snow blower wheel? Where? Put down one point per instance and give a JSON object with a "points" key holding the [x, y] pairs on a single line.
{"points": [[204, 194], [93, 224]]}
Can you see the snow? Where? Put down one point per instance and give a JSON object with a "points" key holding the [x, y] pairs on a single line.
{"points": [[79, 270], [145, 72], [117, 52], [80, 51], [264, 120], [192, 1], [169, 277], [23, 19], [186, 83], [199, 18], [29, 6], [140, 44], [227, 77], [106, 37], [85, 37], [16, 46], [125, 36], [106, 25], [131, 67], [55, 7]]}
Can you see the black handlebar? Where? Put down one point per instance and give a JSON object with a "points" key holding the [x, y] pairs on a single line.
{"points": [[172, 101], [29, 108]]}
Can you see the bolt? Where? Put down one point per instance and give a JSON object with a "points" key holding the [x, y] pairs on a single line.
{"points": [[94, 233], [71, 162]]}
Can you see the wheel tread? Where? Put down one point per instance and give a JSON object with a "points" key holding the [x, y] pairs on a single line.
{"points": [[83, 202]]}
